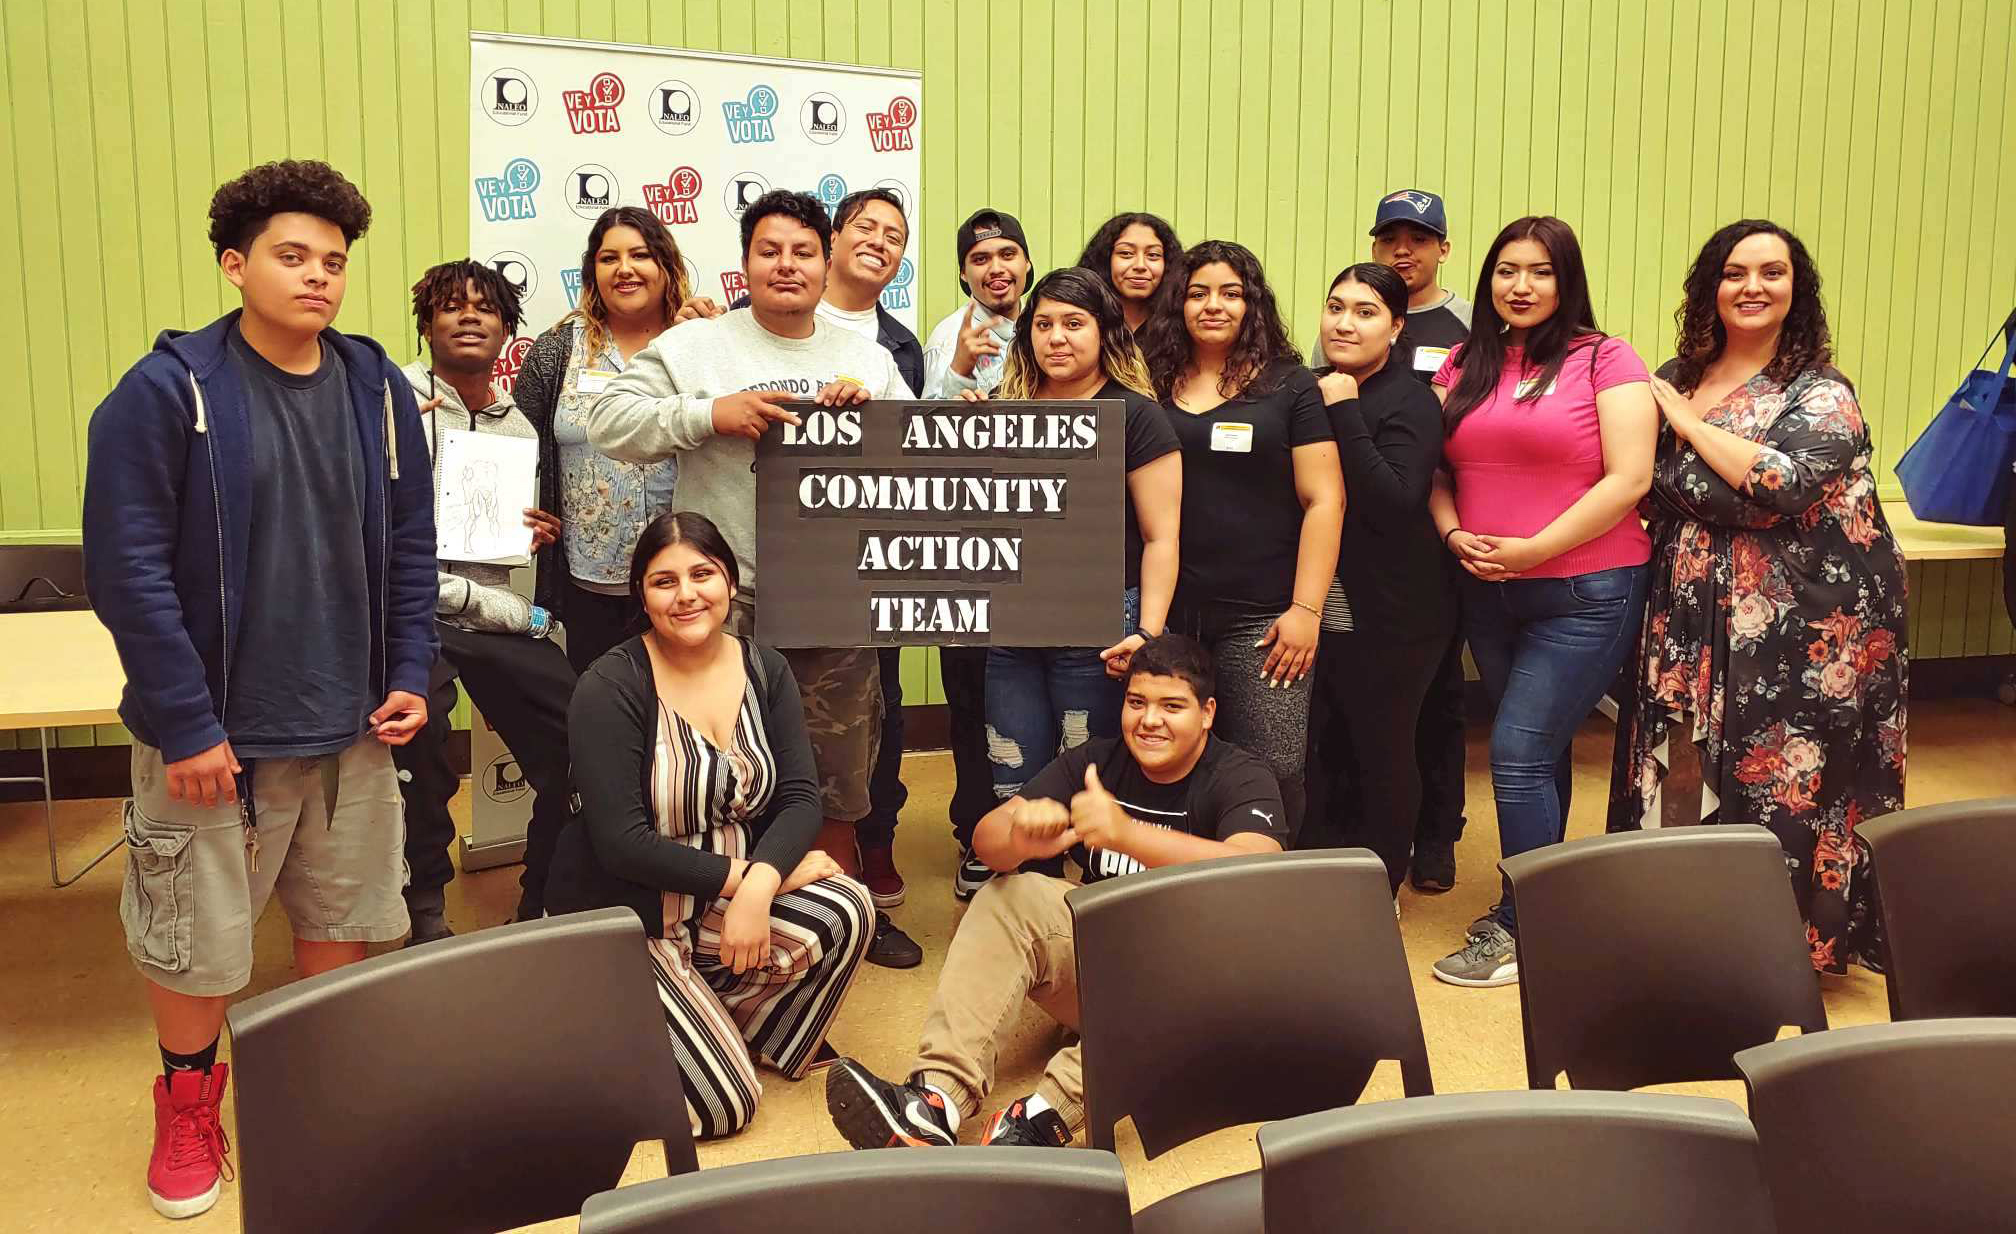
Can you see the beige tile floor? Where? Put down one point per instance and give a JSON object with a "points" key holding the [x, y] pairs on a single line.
{"points": [[77, 1053]]}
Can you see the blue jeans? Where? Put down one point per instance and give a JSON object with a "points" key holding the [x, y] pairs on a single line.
{"points": [[1042, 700], [1547, 650]]}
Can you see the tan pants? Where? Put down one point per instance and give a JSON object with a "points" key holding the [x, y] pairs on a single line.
{"points": [[1014, 943]]}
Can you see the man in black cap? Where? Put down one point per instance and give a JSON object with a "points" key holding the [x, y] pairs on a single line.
{"points": [[967, 350], [1410, 232]]}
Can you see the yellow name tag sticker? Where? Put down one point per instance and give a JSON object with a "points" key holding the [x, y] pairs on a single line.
{"points": [[1232, 438], [1429, 359], [593, 380]]}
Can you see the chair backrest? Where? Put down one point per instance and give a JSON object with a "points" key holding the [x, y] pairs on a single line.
{"points": [[1645, 1162], [1888, 1127], [870, 1193], [41, 578], [1651, 957], [1942, 873], [1240, 990], [474, 1084]]}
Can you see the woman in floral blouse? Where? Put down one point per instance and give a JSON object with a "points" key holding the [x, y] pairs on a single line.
{"points": [[1774, 636], [634, 284]]}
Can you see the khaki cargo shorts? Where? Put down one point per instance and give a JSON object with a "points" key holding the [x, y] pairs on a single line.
{"points": [[331, 839]]}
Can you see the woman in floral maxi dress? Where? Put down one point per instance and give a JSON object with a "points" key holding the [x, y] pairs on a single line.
{"points": [[1775, 629]]}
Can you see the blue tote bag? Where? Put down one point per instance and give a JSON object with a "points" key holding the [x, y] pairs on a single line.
{"points": [[1958, 471]]}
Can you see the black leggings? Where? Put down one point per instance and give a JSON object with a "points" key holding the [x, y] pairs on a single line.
{"points": [[1364, 778]]}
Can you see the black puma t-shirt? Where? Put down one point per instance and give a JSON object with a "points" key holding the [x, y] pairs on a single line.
{"points": [[1227, 792]]}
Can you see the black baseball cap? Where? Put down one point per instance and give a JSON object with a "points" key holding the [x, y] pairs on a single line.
{"points": [[987, 225], [1416, 206]]}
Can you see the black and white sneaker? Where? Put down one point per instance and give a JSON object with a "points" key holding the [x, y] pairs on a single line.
{"points": [[1014, 1126], [870, 1112], [972, 875]]}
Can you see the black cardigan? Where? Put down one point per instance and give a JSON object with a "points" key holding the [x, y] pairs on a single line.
{"points": [[1392, 565], [610, 853]]}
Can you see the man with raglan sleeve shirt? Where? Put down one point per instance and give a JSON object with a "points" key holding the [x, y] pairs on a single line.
{"points": [[705, 390], [968, 350]]}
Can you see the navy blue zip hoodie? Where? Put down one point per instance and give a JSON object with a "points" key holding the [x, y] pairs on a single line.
{"points": [[167, 522]]}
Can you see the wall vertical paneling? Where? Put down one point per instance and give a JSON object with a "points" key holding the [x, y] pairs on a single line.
{"points": [[1878, 129]]}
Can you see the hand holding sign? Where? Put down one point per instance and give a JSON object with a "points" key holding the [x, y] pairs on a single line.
{"points": [[747, 413], [841, 392], [1097, 817]]}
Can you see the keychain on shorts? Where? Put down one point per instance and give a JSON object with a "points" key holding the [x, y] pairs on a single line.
{"points": [[244, 784]]}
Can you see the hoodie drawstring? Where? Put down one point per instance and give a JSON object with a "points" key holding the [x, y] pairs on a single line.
{"points": [[202, 413]]}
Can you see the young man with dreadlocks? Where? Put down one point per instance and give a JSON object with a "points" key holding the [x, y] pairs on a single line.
{"points": [[496, 641]]}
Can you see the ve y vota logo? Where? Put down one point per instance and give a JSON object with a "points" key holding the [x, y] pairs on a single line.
{"points": [[750, 119], [594, 110], [509, 196], [894, 129], [508, 96], [897, 294], [570, 282], [673, 201], [831, 191]]}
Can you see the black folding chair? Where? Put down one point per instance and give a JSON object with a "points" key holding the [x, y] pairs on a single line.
{"points": [[1236, 991], [544, 1060]]}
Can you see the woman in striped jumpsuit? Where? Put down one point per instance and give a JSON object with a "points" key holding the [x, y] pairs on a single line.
{"points": [[696, 805]]}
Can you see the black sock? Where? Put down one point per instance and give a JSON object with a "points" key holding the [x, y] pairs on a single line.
{"points": [[202, 1060]]}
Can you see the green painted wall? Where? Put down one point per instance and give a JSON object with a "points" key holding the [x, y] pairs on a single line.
{"points": [[1879, 130]]}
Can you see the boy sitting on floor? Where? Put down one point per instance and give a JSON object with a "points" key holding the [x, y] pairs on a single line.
{"points": [[1176, 795]]}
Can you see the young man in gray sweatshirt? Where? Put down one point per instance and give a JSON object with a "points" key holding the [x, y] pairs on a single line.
{"points": [[496, 641], [705, 390]]}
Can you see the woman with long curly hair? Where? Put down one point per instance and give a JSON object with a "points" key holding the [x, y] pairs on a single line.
{"points": [[1072, 343], [1134, 254], [633, 286], [1263, 501], [1774, 641], [1549, 429]]}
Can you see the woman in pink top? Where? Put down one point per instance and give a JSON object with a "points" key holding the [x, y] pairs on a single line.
{"points": [[1550, 427]]}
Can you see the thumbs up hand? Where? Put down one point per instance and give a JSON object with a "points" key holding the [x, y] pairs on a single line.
{"points": [[1097, 817]]}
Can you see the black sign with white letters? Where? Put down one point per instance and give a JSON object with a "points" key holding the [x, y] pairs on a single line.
{"points": [[943, 523]]}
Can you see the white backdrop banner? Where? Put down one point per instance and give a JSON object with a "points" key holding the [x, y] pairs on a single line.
{"points": [[561, 130]]}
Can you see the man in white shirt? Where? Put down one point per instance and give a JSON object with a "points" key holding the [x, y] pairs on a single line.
{"points": [[870, 235], [705, 391], [969, 349]]}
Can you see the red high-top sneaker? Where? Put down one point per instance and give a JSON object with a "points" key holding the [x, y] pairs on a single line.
{"points": [[192, 1155]]}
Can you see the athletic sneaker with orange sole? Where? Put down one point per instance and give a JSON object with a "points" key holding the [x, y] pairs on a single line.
{"points": [[870, 1112]]}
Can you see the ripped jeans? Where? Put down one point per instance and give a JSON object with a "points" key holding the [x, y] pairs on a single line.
{"points": [[1042, 700]]}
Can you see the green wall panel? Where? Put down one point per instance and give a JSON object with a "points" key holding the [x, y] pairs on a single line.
{"points": [[1879, 130]]}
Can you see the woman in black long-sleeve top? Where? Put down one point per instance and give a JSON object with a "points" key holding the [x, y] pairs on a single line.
{"points": [[1365, 784], [697, 803]]}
